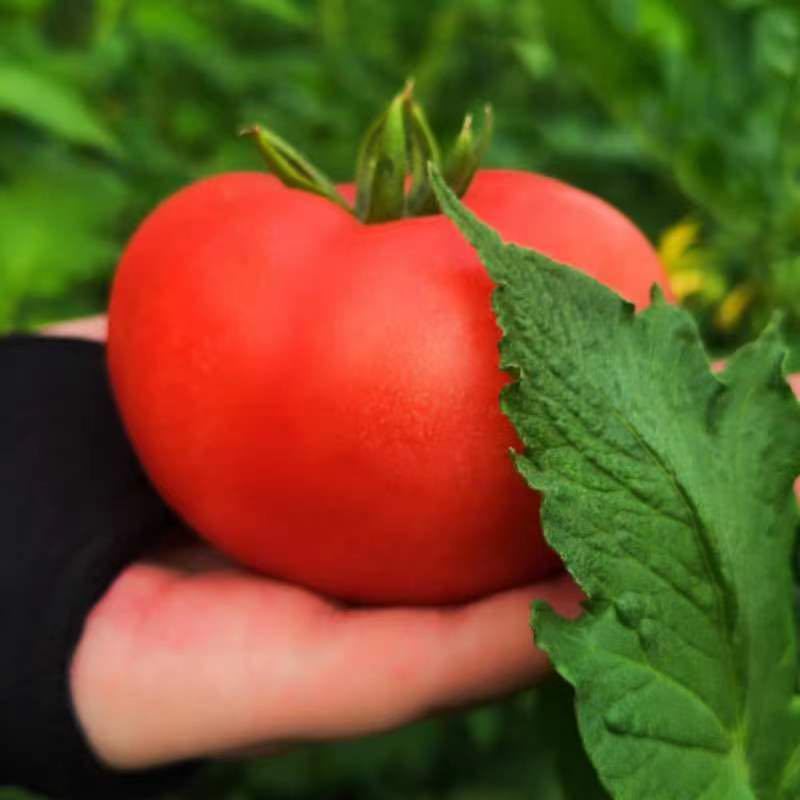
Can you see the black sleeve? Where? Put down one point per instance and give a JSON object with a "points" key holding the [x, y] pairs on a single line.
{"points": [[75, 509]]}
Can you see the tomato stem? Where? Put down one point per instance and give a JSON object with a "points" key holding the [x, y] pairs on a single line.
{"points": [[382, 163], [291, 167], [399, 144]]}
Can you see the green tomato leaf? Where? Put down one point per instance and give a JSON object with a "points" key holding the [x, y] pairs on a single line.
{"points": [[668, 492]]}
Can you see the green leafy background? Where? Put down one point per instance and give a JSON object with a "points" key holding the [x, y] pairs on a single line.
{"points": [[685, 114]]}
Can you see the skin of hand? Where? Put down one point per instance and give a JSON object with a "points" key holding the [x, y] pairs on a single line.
{"points": [[188, 655]]}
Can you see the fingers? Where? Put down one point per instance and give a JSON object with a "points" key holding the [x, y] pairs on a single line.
{"points": [[396, 665], [178, 663], [87, 328], [360, 671], [491, 648]]}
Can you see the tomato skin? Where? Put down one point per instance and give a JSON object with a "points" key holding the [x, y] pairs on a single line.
{"points": [[319, 398]]}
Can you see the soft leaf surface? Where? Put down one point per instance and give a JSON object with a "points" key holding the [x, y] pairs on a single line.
{"points": [[668, 492]]}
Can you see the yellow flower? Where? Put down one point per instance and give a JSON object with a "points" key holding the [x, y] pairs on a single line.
{"points": [[686, 263], [676, 241], [732, 308]]}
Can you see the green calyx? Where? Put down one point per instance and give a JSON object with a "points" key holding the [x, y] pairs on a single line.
{"points": [[392, 176]]}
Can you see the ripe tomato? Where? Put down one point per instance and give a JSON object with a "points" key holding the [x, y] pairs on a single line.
{"points": [[319, 398]]}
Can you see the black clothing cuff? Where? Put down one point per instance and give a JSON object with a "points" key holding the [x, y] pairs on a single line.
{"points": [[75, 510]]}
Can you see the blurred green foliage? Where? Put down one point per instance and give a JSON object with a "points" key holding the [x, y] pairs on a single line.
{"points": [[710, 92], [669, 109], [106, 106], [683, 113], [525, 748]]}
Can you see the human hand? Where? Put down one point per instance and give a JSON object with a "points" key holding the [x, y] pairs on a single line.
{"points": [[190, 655], [95, 328]]}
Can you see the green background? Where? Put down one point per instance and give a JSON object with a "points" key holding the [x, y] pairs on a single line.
{"points": [[684, 113]]}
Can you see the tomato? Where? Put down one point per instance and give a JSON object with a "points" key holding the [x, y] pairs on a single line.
{"points": [[319, 398]]}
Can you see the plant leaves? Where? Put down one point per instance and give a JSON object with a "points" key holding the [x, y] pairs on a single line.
{"points": [[49, 242], [289, 12], [668, 492], [53, 106]]}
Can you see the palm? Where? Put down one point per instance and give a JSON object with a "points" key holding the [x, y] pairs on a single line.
{"points": [[233, 660]]}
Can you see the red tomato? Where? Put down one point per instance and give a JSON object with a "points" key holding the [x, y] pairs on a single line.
{"points": [[319, 398]]}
